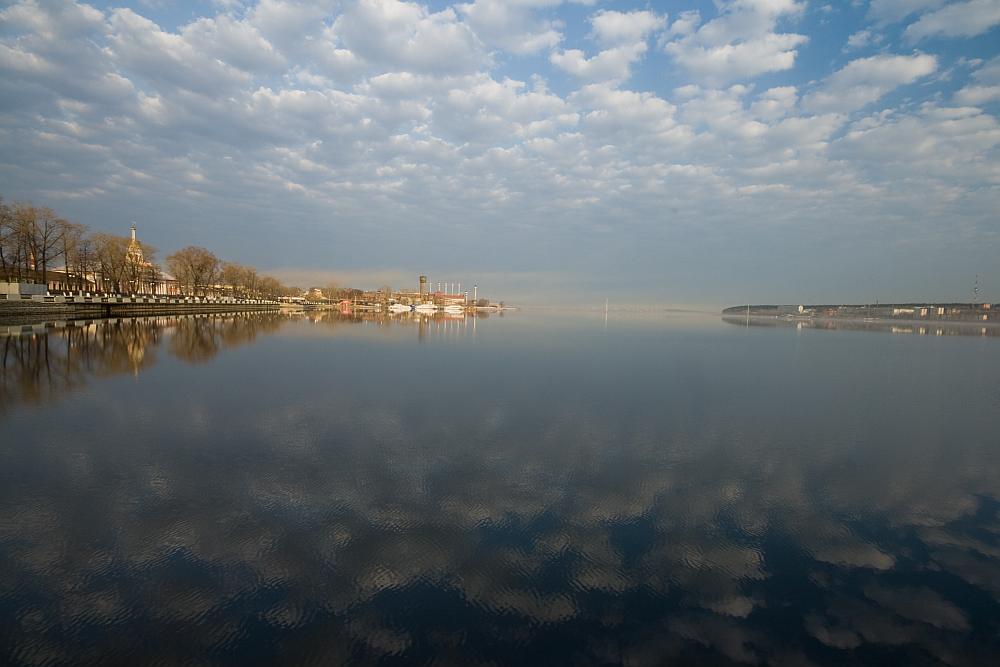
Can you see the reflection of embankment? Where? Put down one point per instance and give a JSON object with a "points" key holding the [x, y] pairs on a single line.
{"points": [[938, 328], [44, 362], [198, 339]]}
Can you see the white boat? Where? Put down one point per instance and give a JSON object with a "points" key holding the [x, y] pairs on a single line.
{"points": [[399, 308], [426, 308], [454, 310]]}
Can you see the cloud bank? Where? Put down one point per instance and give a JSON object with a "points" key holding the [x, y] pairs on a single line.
{"points": [[529, 136]]}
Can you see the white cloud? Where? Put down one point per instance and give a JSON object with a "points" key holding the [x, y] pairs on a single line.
{"points": [[486, 112], [616, 28], [962, 19], [512, 26], [609, 64], [775, 103], [934, 149], [626, 115], [406, 36], [986, 87], [744, 60], [625, 36], [238, 43], [866, 80], [892, 11], [862, 39], [57, 46], [978, 95], [722, 112], [67, 20], [740, 43], [989, 72], [685, 24], [287, 23]]}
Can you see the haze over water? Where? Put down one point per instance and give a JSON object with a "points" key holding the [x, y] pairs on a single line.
{"points": [[534, 488]]}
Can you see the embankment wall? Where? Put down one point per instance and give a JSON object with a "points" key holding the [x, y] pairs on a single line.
{"points": [[24, 307]]}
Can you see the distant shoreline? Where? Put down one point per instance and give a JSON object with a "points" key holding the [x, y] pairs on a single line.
{"points": [[920, 313]]}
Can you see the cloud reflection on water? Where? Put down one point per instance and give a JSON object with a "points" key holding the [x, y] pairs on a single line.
{"points": [[715, 512]]}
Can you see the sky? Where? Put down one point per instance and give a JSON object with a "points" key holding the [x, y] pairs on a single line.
{"points": [[690, 153]]}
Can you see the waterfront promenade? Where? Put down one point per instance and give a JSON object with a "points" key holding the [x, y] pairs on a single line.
{"points": [[38, 306]]}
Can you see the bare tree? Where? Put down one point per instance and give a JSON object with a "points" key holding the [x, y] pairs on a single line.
{"points": [[20, 232], [84, 258], [270, 288], [111, 259], [8, 240], [251, 282], [232, 276], [72, 237], [243, 280], [43, 230], [196, 269]]}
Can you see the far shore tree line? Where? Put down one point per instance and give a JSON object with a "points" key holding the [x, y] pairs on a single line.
{"points": [[39, 246]]}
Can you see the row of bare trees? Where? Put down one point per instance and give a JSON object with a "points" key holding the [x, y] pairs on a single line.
{"points": [[118, 266], [38, 246], [32, 238], [200, 272], [334, 292]]}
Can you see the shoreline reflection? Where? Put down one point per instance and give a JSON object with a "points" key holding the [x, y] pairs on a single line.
{"points": [[42, 362], [438, 325]]}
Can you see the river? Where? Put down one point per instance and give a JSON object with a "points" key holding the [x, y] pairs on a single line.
{"points": [[537, 488]]}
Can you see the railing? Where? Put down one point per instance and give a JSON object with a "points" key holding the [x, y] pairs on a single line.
{"points": [[105, 298]]}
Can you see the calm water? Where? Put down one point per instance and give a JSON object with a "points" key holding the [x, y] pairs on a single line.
{"points": [[532, 489]]}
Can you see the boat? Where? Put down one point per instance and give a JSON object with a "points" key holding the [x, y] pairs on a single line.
{"points": [[426, 308], [454, 310], [399, 308]]}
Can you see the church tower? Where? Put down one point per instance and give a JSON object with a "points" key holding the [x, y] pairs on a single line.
{"points": [[135, 250]]}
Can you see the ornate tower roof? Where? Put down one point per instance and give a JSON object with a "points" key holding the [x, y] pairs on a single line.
{"points": [[134, 249]]}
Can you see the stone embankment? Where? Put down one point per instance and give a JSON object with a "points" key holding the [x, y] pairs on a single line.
{"points": [[24, 306]]}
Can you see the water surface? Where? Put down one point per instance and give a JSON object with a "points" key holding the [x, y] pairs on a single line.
{"points": [[536, 488]]}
